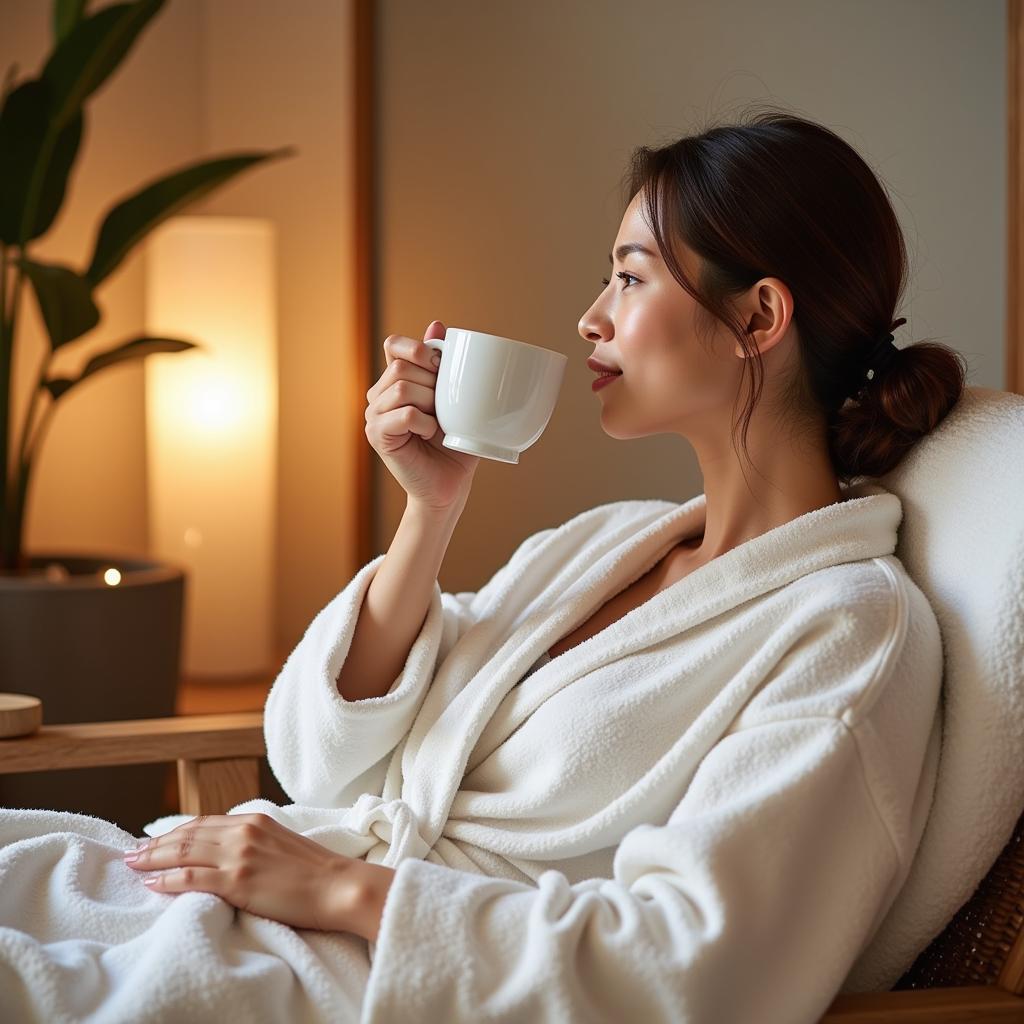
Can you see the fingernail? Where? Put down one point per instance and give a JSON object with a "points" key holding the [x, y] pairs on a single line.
{"points": [[142, 845], [436, 358], [129, 857], [149, 880]]}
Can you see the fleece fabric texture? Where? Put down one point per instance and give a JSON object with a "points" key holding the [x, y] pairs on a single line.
{"points": [[702, 813], [83, 941], [962, 541]]}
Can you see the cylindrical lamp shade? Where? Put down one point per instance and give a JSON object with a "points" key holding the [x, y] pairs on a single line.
{"points": [[211, 417]]}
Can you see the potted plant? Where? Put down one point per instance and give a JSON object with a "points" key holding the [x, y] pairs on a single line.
{"points": [[94, 637]]}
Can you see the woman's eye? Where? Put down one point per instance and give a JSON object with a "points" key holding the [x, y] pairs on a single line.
{"points": [[622, 275]]}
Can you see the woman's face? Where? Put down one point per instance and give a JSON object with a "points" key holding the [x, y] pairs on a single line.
{"points": [[643, 323]]}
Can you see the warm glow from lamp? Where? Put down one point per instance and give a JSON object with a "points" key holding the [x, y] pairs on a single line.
{"points": [[211, 417]]}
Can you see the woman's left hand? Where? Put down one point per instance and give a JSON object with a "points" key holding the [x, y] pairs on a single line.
{"points": [[257, 864]]}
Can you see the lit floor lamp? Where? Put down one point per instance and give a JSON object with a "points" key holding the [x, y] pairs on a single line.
{"points": [[211, 418]]}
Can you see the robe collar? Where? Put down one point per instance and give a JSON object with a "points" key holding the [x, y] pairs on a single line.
{"points": [[863, 525]]}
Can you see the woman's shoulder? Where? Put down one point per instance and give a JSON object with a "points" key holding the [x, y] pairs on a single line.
{"points": [[880, 582], [864, 626]]}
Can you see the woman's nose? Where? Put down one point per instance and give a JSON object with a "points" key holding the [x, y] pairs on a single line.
{"points": [[588, 328]]}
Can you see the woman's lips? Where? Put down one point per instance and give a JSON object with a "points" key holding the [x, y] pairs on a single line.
{"points": [[605, 378]]}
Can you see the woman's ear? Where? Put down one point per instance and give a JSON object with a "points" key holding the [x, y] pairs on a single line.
{"points": [[768, 310]]}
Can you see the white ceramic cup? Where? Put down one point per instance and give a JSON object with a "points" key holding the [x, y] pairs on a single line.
{"points": [[494, 396]]}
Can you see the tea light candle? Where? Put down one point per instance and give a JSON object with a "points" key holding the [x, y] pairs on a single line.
{"points": [[20, 714]]}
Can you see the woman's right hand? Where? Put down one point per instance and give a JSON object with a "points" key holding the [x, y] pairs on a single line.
{"points": [[402, 428]]}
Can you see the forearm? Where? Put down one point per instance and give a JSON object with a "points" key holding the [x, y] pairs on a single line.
{"points": [[396, 603]]}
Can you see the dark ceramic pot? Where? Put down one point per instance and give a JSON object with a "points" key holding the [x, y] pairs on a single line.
{"points": [[93, 652]]}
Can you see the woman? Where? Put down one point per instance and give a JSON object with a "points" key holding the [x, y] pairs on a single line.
{"points": [[671, 762]]}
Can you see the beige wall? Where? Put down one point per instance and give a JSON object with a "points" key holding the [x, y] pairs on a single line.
{"points": [[206, 77], [505, 127]]}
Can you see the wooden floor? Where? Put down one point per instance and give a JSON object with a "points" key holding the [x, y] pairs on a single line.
{"points": [[203, 696]]}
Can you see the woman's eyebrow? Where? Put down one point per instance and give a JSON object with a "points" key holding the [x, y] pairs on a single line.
{"points": [[626, 248]]}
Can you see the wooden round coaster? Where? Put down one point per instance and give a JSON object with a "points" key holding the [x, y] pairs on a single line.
{"points": [[20, 714]]}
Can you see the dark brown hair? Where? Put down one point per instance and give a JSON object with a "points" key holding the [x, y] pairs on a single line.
{"points": [[775, 195]]}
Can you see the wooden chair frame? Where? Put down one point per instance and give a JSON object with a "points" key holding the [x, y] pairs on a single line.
{"points": [[218, 768]]}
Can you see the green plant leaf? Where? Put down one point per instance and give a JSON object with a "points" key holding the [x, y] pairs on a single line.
{"points": [[22, 137], [135, 349], [65, 300], [45, 149], [23, 122], [58, 170], [66, 15], [133, 218], [91, 52]]}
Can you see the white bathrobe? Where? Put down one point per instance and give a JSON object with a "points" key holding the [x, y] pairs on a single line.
{"points": [[700, 814]]}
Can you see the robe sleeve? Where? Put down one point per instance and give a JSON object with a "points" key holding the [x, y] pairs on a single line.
{"points": [[324, 750], [750, 904]]}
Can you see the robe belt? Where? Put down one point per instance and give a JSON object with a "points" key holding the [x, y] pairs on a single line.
{"points": [[385, 823]]}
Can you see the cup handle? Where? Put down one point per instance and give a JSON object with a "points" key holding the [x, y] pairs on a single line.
{"points": [[435, 343]]}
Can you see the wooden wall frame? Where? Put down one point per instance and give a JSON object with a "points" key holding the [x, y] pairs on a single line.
{"points": [[363, 62], [1015, 197]]}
